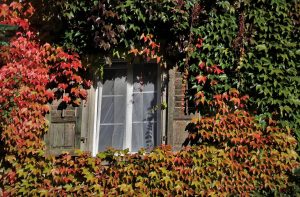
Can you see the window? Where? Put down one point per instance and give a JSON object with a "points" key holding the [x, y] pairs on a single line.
{"points": [[127, 112]]}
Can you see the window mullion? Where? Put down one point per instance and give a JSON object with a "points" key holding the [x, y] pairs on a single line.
{"points": [[97, 118], [129, 107], [158, 139]]}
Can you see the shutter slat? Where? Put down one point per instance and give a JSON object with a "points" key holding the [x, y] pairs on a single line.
{"points": [[64, 132]]}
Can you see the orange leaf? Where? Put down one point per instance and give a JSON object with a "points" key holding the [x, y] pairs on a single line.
{"points": [[201, 79], [134, 51], [66, 99]]}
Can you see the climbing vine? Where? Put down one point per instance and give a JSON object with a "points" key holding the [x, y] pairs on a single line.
{"points": [[253, 42], [240, 64], [31, 76]]}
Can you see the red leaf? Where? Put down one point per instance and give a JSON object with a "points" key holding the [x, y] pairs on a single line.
{"points": [[66, 99], [134, 51], [202, 65], [217, 70], [83, 93], [62, 86], [201, 79], [200, 42], [158, 59], [49, 94]]}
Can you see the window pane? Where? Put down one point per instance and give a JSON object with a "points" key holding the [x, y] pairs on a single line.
{"points": [[143, 135], [144, 114], [113, 109], [114, 82], [137, 137], [144, 77], [150, 106], [111, 136], [144, 107], [150, 131]]}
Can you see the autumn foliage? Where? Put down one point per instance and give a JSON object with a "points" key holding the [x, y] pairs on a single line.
{"points": [[31, 76], [148, 52], [238, 155]]}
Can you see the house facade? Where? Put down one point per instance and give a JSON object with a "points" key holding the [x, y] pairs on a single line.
{"points": [[133, 106]]}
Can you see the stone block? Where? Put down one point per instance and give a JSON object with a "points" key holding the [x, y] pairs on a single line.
{"points": [[179, 131], [179, 98], [179, 91], [178, 74]]}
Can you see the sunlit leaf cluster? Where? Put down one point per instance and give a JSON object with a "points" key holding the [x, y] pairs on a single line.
{"points": [[31, 76], [240, 63], [255, 43]]}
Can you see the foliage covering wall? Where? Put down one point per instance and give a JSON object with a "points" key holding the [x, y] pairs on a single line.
{"points": [[254, 42], [242, 73]]}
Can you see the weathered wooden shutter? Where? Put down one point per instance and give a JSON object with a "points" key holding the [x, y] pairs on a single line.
{"points": [[64, 130]]}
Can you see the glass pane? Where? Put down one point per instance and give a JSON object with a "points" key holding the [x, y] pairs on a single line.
{"points": [[144, 77], [137, 109], [137, 137], [114, 82], [144, 107], [150, 106], [150, 131], [111, 136], [143, 135], [144, 114], [113, 109]]}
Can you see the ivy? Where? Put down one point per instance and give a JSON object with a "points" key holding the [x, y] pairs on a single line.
{"points": [[240, 65], [31, 76], [255, 43]]}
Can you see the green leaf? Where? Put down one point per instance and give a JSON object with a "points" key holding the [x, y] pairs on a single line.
{"points": [[261, 47], [4, 27]]}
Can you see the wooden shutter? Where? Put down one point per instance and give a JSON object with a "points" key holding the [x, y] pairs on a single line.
{"points": [[64, 130]]}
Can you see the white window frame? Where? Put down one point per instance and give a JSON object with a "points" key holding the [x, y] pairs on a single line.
{"points": [[161, 114]]}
